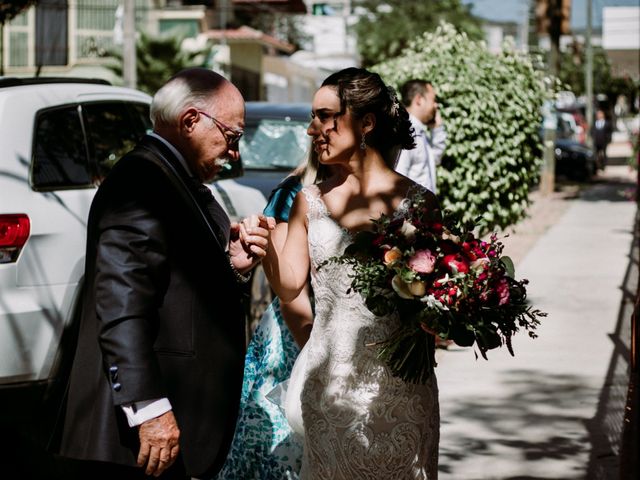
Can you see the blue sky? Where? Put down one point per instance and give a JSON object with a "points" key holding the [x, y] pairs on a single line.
{"points": [[515, 10]]}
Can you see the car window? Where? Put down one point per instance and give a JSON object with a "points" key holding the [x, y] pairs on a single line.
{"points": [[140, 112], [566, 127], [113, 128], [59, 153], [274, 144]]}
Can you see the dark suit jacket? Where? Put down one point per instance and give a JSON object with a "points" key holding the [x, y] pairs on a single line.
{"points": [[153, 322], [601, 136]]}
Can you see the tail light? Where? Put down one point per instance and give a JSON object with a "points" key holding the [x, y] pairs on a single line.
{"points": [[14, 232]]}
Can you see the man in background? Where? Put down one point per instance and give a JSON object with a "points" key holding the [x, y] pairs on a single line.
{"points": [[601, 135], [419, 164]]}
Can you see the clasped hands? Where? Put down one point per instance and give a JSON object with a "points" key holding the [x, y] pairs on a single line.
{"points": [[249, 241]]}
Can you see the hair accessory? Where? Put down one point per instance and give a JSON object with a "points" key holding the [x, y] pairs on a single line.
{"points": [[395, 104]]}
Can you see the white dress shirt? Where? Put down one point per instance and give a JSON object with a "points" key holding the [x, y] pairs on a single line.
{"points": [[419, 163]]}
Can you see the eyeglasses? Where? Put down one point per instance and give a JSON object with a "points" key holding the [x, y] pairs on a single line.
{"points": [[231, 135]]}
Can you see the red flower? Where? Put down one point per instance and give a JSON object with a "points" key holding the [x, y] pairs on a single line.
{"points": [[379, 240], [456, 263]]}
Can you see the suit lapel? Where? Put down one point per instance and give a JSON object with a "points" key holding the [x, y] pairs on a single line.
{"points": [[157, 152]]}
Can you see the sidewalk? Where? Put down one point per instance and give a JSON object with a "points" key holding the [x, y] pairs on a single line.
{"points": [[554, 411]]}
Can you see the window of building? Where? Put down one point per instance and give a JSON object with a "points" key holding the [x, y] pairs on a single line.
{"points": [[18, 36], [184, 27]]}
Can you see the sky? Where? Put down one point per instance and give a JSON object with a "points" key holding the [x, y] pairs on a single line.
{"points": [[515, 10]]}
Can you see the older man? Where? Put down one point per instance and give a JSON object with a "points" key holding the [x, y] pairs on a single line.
{"points": [[158, 369], [419, 163]]}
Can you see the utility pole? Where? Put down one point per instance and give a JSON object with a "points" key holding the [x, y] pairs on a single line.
{"points": [[524, 28], [129, 45], [226, 67], [1, 48], [552, 18], [588, 74], [544, 18]]}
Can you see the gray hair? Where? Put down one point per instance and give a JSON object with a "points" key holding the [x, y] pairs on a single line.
{"points": [[192, 87]]}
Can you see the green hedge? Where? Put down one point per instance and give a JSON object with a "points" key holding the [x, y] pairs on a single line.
{"points": [[491, 108]]}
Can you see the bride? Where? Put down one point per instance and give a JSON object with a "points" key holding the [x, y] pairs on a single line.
{"points": [[357, 420]]}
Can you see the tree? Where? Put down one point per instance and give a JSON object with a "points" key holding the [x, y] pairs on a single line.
{"points": [[157, 59], [572, 74], [491, 107], [553, 18], [8, 11], [387, 26]]}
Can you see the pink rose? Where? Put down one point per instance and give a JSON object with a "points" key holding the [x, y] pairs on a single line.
{"points": [[422, 261]]}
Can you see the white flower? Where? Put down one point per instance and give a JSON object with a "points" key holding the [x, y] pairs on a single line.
{"points": [[432, 302], [401, 288], [418, 288], [479, 263], [408, 230], [447, 235]]}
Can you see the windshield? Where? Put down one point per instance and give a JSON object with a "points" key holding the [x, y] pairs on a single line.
{"points": [[274, 144]]}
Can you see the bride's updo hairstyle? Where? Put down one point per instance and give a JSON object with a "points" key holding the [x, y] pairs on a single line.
{"points": [[361, 92]]}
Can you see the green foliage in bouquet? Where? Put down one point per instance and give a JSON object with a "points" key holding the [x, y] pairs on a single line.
{"points": [[440, 279], [491, 107]]}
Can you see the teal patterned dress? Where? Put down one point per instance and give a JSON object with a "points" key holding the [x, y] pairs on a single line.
{"points": [[263, 446]]}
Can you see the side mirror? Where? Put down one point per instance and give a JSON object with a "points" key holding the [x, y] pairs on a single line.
{"points": [[231, 170]]}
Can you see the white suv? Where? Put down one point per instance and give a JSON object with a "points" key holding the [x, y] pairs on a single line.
{"points": [[57, 137]]}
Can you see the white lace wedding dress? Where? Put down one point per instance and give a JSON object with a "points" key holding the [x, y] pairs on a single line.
{"points": [[358, 421]]}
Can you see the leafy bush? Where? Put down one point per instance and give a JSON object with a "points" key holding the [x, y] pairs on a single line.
{"points": [[491, 107], [386, 27]]}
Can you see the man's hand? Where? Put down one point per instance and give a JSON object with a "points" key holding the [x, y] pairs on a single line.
{"points": [[249, 241], [158, 443], [437, 119]]}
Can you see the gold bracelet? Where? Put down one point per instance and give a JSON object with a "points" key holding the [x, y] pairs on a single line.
{"points": [[240, 278]]}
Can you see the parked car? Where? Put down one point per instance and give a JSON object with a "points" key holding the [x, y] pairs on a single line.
{"points": [[567, 128], [274, 143], [574, 160], [580, 122], [58, 138]]}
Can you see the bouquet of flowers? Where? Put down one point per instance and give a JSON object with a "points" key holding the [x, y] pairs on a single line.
{"points": [[442, 280]]}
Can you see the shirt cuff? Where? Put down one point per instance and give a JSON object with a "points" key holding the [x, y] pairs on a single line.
{"points": [[139, 412]]}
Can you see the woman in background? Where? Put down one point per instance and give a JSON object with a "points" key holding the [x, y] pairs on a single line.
{"points": [[263, 446]]}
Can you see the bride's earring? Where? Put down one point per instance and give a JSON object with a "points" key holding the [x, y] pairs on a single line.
{"points": [[363, 143]]}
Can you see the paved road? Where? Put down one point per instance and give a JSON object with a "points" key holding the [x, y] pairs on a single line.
{"points": [[554, 410]]}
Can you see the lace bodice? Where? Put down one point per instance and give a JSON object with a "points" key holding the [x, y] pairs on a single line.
{"points": [[359, 421]]}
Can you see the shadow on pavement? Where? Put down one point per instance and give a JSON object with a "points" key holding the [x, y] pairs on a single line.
{"points": [[606, 428], [610, 189], [538, 401]]}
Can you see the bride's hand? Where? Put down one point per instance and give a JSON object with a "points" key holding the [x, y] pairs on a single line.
{"points": [[249, 241]]}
